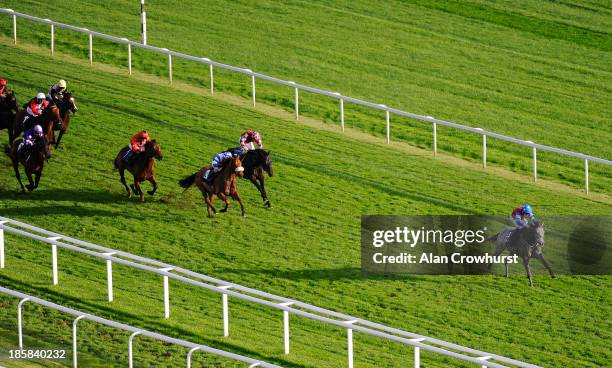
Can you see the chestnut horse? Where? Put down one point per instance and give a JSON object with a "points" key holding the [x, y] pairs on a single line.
{"points": [[61, 117], [142, 167], [224, 184], [33, 162]]}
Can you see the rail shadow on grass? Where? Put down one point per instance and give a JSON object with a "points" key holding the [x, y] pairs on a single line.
{"points": [[149, 323], [331, 274]]}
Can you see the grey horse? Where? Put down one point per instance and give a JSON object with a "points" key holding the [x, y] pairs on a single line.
{"points": [[526, 242]]}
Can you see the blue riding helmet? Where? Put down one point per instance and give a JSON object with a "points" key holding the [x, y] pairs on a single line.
{"points": [[527, 209]]}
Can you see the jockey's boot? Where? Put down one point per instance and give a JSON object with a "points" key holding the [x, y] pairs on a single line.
{"points": [[208, 176]]}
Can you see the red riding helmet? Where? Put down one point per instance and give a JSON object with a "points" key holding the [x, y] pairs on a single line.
{"points": [[3, 82]]}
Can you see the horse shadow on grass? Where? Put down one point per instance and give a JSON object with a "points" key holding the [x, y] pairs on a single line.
{"points": [[149, 323]]}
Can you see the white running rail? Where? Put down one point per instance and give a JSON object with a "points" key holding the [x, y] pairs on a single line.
{"points": [[135, 332], [297, 87], [225, 288]]}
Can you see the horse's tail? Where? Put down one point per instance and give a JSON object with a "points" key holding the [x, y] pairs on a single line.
{"points": [[492, 238], [188, 181]]}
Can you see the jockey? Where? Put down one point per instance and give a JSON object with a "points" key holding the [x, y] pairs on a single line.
{"points": [[35, 108], [30, 137], [4, 92], [137, 145], [520, 214], [56, 92], [218, 161], [247, 138]]}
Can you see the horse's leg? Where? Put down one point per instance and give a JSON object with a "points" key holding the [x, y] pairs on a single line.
{"points": [[138, 190], [526, 264], [59, 138], [37, 174], [154, 183], [209, 206], [506, 264], [29, 176], [225, 200], [498, 250], [122, 180], [261, 189], [541, 258], [236, 197], [16, 167]]}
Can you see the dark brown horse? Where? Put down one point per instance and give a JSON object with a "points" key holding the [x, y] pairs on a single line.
{"points": [[224, 184], [526, 242], [255, 162], [60, 117], [8, 109], [33, 161], [142, 167]]}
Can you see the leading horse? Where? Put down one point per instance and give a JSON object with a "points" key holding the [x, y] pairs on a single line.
{"points": [[224, 184], [255, 162], [33, 161], [526, 242], [142, 167], [60, 117]]}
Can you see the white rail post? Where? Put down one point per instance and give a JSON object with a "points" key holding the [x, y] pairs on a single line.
{"points": [[349, 336], [212, 80], [90, 48], [129, 45], [252, 86], [109, 276], [484, 148], [166, 293], [297, 102], [535, 163], [74, 339], [435, 137], [14, 29], [143, 22], [2, 245], [225, 310], [417, 353], [54, 259], [19, 321], [170, 67], [52, 39], [484, 358], [131, 348], [586, 176], [193, 350], [388, 127], [341, 109], [286, 327]]}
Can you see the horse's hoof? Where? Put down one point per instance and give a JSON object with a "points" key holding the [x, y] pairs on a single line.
{"points": [[244, 215]]}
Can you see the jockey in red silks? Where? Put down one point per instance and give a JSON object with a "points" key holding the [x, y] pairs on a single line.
{"points": [[247, 138], [35, 109], [3, 90], [137, 145], [520, 214]]}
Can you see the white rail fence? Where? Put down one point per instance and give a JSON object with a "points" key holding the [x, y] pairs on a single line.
{"points": [[134, 330], [226, 289], [297, 87]]}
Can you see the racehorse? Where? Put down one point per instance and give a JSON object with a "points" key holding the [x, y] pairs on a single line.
{"points": [[526, 242], [60, 117], [255, 162], [8, 109], [224, 184], [33, 161], [142, 168]]}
